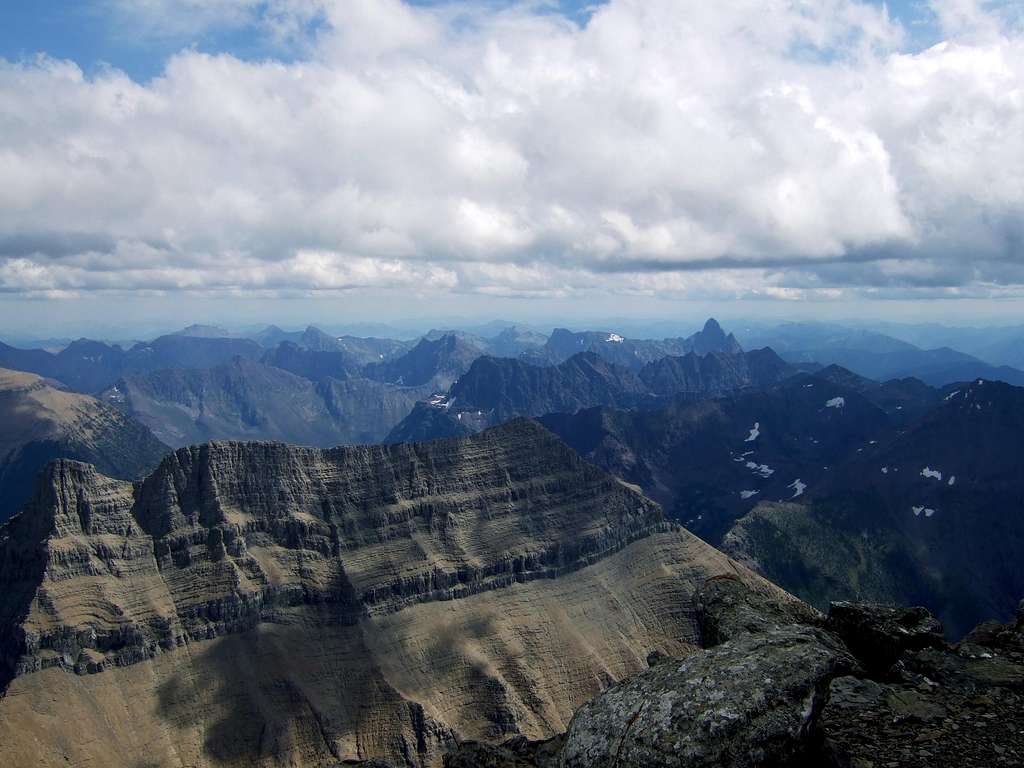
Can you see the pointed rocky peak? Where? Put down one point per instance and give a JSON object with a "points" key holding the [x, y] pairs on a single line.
{"points": [[714, 339], [316, 340], [71, 498], [712, 328]]}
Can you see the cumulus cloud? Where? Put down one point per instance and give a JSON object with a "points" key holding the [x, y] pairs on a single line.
{"points": [[751, 148]]}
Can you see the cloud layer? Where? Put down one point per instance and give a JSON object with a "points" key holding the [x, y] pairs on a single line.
{"points": [[675, 147]]}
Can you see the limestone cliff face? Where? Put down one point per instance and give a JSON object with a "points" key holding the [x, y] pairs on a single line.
{"points": [[259, 603]]}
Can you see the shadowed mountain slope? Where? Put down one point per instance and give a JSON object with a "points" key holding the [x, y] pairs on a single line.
{"points": [[497, 389], [710, 462], [432, 362], [42, 422], [931, 515]]}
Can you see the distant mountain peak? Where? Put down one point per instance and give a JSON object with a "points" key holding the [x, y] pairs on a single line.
{"points": [[713, 339], [712, 327], [198, 330]]}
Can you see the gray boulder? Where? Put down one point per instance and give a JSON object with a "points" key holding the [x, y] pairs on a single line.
{"points": [[749, 702], [727, 608]]}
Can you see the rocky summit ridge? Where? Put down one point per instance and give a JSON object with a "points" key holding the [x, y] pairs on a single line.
{"points": [[256, 603]]}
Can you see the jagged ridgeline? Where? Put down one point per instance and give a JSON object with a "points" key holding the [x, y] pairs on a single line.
{"points": [[259, 604]]}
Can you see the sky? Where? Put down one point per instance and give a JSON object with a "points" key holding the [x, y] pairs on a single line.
{"points": [[342, 159]]}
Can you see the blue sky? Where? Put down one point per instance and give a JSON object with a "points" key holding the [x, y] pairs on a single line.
{"points": [[92, 34]]}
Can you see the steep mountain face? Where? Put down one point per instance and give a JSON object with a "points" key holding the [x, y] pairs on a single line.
{"points": [[507, 388], [432, 362], [497, 389], [709, 462], [258, 604], [251, 401], [37, 361], [631, 353], [713, 339], [514, 341], [312, 364], [930, 516], [42, 422], [431, 420], [715, 373], [365, 351], [903, 400]]}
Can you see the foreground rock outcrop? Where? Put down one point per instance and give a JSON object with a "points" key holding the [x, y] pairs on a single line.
{"points": [[749, 702], [866, 686], [259, 604]]}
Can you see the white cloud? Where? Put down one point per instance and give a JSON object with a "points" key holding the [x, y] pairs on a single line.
{"points": [[517, 153]]}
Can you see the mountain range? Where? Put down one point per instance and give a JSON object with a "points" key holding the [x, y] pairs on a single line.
{"points": [[248, 400], [486, 580], [495, 389], [261, 604], [834, 496], [630, 353], [876, 355], [929, 514]]}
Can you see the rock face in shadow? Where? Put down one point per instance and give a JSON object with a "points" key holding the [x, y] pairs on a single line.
{"points": [[926, 515], [434, 363], [259, 604]]}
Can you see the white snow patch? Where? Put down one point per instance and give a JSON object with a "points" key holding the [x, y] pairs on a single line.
{"points": [[885, 470], [928, 511], [754, 432], [932, 473], [614, 338], [798, 488], [952, 479], [952, 394], [761, 469], [836, 402], [747, 494], [440, 401]]}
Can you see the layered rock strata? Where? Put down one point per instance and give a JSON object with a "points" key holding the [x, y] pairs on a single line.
{"points": [[258, 604]]}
